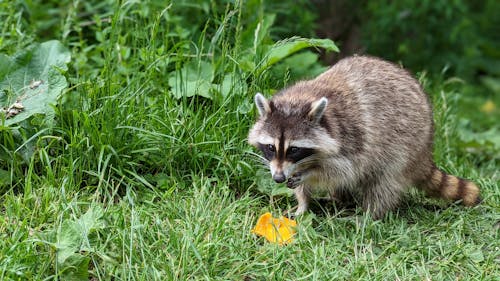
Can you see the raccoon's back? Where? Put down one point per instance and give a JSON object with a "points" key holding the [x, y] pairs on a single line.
{"points": [[388, 105]]}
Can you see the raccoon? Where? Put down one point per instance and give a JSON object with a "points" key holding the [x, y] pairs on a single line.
{"points": [[363, 130]]}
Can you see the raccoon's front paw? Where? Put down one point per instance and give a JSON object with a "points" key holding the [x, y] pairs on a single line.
{"points": [[296, 212], [295, 180], [301, 209]]}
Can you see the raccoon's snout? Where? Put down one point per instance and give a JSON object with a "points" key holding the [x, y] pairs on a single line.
{"points": [[279, 177]]}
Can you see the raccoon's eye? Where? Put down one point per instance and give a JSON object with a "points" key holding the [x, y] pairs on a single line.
{"points": [[296, 154], [271, 147], [268, 150]]}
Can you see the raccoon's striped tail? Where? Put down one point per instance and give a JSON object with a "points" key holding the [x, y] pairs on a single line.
{"points": [[443, 185]]}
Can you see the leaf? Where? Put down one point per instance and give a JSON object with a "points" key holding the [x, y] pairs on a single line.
{"points": [[267, 186], [476, 255], [490, 137], [69, 240], [281, 190], [257, 34], [303, 65], [245, 107], [76, 269], [91, 220], [305, 59], [262, 30], [486, 142], [72, 244], [191, 88], [33, 78], [73, 233], [195, 78], [232, 83], [285, 48]]}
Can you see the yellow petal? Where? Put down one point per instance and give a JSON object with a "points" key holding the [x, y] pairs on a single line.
{"points": [[488, 107], [276, 230]]}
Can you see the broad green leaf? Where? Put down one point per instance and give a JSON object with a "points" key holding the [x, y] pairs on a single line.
{"points": [[193, 71], [281, 190], [479, 141], [69, 240], [285, 48], [262, 30], [76, 268], [73, 233], [91, 220], [246, 62], [305, 59], [34, 79], [303, 65], [191, 88], [6, 65], [476, 255], [195, 78], [245, 107], [232, 84], [257, 34], [267, 186]]}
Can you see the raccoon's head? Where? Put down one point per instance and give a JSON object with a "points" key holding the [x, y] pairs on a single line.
{"points": [[291, 133]]}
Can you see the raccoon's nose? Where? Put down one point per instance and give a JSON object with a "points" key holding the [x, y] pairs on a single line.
{"points": [[279, 177]]}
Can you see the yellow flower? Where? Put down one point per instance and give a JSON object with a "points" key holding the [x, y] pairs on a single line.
{"points": [[279, 230], [488, 107]]}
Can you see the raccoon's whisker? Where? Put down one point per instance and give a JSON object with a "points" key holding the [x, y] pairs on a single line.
{"points": [[259, 158], [256, 155], [260, 163], [262, 166], [307, 160]]}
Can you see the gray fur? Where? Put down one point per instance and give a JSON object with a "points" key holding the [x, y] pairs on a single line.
{"points": [[370, 125]]}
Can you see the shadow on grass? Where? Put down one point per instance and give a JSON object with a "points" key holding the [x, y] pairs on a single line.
{"points": [[409, 208]]}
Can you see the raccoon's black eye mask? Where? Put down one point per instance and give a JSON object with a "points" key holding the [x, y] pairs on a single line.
{"points": [[269, 150], [293, 153]]}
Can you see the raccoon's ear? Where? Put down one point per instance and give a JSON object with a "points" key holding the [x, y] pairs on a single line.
{"points": [[262, 104], [318, 109]]}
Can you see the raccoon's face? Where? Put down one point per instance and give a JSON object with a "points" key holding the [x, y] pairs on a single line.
{"points": [[291, 138], [287, 160]]}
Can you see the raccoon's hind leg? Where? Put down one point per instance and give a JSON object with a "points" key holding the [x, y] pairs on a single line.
{"points": [[381, 195], [303, 195]]}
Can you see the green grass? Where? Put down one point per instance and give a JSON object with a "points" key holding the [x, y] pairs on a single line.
{"points": [[132, 183]]}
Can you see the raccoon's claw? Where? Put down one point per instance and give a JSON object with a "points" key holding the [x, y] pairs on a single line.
{"points": [[291, 213], [296, 212], [294, 181]]}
